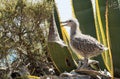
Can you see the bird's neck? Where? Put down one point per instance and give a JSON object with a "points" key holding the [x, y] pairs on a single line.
{"points": [[74, 31]]}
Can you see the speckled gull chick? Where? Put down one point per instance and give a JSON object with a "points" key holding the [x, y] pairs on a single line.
{"points": [[82, 44]]}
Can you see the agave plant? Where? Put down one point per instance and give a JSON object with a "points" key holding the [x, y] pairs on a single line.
{"points": [[98, 18]]}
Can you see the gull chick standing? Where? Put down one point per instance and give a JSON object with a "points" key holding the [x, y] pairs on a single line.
{"points": [[82, 44]]}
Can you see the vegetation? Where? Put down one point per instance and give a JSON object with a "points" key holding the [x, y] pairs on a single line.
{"points": [[31, 37], [23, 36]]}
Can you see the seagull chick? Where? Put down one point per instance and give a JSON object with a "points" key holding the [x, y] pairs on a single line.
{"points": [[82, 44]]}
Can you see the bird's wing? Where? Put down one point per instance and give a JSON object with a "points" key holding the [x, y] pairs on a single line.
{"points": [[86, 44]]}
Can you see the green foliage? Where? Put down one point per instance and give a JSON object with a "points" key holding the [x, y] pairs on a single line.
{"points": [[84, 14], [24, 30], [114, 27], [60, 54], [61, 57]]}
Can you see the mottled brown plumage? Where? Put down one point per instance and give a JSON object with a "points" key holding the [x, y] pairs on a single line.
{"points": [[82, 44]]}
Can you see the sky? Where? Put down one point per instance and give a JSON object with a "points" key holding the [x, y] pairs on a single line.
{"points": [[65, 11], [64, 8]]}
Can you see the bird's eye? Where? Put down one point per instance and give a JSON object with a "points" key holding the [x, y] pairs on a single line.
{"points": [[70, 20]]}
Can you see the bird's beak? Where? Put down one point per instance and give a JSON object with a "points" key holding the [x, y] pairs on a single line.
{"points": [[64, 23]]}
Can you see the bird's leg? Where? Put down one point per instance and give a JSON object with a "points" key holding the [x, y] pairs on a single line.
{"points": [[79, 64], [85, 64]]}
